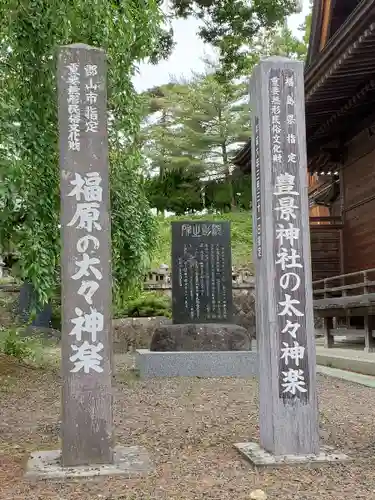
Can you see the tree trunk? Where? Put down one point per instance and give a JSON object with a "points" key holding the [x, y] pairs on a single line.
{"points": [[227, 175]]}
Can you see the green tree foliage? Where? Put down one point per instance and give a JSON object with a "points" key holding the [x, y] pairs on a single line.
{"points": [[306, 26], [30, 33], [172, 165], [279, 41], [199, 124], [178, 191], [282, 42], [223, 196], [230, 25], [215, 118], [160, 137], [196, 126]]}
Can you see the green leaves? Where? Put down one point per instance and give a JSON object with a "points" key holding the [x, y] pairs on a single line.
{"points": [[188, 138], [30, 32], [232, 25]]}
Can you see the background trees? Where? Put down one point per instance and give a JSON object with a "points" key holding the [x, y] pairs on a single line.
{"points": [[180, 157], [231, 25], [30, 32], [193, 128]]}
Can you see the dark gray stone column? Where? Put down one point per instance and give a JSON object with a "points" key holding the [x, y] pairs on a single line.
{"points": [[87, 434], [284, 309]]}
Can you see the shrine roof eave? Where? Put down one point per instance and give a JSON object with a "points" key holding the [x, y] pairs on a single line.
{"points": [[343, 76], [317, 70], [243, 158], [315, 31], [337, 82]]}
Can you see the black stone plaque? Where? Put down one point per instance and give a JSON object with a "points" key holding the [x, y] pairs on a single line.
{"points": [[201, 272]]}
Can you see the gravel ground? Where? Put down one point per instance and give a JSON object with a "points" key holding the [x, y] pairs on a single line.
{"points": [[189, 427]]}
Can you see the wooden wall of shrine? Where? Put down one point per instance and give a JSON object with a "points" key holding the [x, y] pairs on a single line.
{"points": [[358, 183]]}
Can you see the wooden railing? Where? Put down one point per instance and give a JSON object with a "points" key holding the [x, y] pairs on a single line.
{"points": [[358, 283], [347, 296]]}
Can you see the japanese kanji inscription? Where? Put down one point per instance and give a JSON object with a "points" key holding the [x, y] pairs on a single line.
{"points": [[283, 269], [201, 272], [258, 203], [86, 267], [293, 381]]}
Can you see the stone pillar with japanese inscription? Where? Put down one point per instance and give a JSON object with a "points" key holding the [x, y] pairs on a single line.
{"points": [[87, 434], [284, 312]]}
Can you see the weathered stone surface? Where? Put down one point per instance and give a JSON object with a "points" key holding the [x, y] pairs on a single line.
{"points": [[130, 334], [200, 337], [244, 310], [128, 461], [260, 457], [86, 350], [151, 364]]}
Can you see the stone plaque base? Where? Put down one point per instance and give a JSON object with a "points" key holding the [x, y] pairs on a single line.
{"points": [[262, 458], [200, 337], [196, 363], [129, 461]]}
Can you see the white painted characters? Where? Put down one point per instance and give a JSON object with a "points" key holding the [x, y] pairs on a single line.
{"points": [[199, 229], [87, 357], [88, 193], [74, 109], [91, 70], [87, 266], [294, 381], [285, 234], [287, 280], [291, 328], [288, 260], [287, 208], [295, 352], [288, 307], [289, 81], [91, 323], [87, 213], [285, 185], [87, 187], [276, 149], [86, 217], [288, 254], [83, 243], [91, 97]]}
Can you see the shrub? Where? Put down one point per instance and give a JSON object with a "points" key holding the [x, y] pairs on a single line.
{"points": [[12, 344], [145, 305]]}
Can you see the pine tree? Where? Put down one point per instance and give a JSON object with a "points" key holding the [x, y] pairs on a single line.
{"points": [[199, 123]]}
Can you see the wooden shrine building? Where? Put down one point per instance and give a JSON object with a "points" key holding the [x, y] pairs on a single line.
{"points": [[340, 133]]}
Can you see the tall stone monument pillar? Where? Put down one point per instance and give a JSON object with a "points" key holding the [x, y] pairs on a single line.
{"points": [[284, 306], [288, 404], [87, 423], [86, 258]]}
